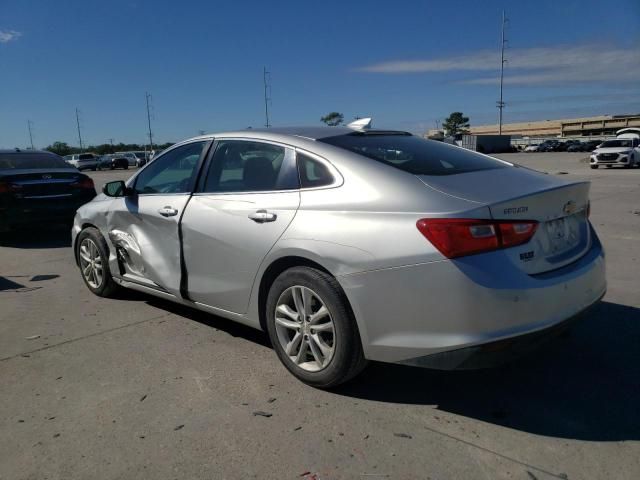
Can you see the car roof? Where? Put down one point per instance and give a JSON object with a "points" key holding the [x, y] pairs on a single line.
{"points": [[282, 134], [18, 151]]}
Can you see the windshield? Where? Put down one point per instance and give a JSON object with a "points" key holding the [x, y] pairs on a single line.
{"points": [[139, 154], [615, 143], [31, 160], [413, 154]]}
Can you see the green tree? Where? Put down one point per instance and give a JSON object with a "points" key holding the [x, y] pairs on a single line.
{"points": [[60, 148], [456, 123], [333, 119]]}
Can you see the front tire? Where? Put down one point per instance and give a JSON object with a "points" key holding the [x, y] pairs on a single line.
{"points": [[594, 166], [312, 328], [93, 258]]}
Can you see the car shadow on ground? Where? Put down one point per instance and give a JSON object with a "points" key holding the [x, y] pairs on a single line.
{"points": [[48, 236], [234, 329], [582, 385]]}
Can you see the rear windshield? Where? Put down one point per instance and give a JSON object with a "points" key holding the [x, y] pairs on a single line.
{"points": [[86, 156], [413, 154], [615, 143], [31, 160]]}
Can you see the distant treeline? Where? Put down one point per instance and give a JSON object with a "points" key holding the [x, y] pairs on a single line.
{"points": [[62, 148]]}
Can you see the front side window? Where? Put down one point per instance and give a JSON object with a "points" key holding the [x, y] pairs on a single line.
{"points": [[172, 172], [246, 166], [413, 154]]}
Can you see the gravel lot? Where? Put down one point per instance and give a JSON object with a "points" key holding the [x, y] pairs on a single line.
{"points": [[140, 388]]}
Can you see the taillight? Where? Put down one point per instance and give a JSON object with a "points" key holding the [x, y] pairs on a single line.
{"points": [[457, 237], [9, 187], [85, 182]]}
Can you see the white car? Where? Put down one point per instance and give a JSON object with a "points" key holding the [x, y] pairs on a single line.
{"points": [[531, 148], [623, 151], [83, 161]]}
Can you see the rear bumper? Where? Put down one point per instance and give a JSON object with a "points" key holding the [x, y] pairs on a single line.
{"points": [[32, 213], [495, 353], [407, 313]]}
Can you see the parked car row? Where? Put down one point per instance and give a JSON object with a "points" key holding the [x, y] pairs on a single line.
{"points": [[113, 161], [91, 161], [136, 158], [568, 146]]}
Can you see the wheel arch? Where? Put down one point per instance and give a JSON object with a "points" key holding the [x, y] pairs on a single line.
{"points": [[274, 269], [75, 240]]}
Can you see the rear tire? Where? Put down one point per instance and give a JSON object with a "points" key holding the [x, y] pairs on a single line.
{"points": [[335, 340], [92, 253]]}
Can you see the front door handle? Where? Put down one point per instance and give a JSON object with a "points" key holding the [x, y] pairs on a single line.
{"points": [[168, 211], [262, 216]]}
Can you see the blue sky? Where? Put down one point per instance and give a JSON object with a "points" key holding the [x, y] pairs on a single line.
{"points": [[406, 64]]}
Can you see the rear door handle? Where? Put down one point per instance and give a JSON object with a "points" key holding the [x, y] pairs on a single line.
{"points": [[262, 216], [168, 211]]}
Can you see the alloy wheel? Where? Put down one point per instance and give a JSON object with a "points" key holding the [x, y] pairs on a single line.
{"points": [[91, 263], [305, 328]]}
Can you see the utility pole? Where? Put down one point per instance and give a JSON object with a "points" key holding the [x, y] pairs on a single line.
{"points": [[500, 103], [29, 125], [148, 97], [79, 134], [266, 96]]}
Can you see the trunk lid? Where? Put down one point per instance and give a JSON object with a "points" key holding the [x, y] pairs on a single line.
{"points": [[518, 193], [42, 183]]}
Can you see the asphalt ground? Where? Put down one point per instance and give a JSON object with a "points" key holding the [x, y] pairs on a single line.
{"points": [[136, 387]]}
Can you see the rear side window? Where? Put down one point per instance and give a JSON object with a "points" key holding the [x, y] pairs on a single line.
{"points": [[86, 156], [413, 154], [31, 160], [312, 173], [246, 166]]}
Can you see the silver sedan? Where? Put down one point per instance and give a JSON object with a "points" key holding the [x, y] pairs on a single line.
{"points": [[350, 244]]}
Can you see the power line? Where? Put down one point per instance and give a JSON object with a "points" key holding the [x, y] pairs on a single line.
{"points": [[29, 125], [148, 97], [267, 98], [500, 103], [79, 134]]}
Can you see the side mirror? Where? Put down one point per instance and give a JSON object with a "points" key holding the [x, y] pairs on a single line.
{"points": [[116, 189]]}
